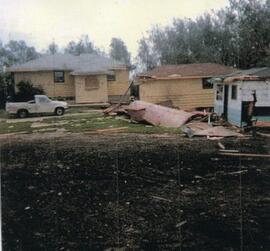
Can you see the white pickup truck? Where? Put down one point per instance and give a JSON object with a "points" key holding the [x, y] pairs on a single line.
{"points": [[41, 104]]}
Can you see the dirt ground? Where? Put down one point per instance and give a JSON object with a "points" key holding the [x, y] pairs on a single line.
{"points": [[134, 192]]}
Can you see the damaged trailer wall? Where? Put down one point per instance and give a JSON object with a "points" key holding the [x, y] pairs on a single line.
{"points": [[244, 93]]}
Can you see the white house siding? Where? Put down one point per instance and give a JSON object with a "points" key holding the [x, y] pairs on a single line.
{"points": [[244, 93], [218, 104]]}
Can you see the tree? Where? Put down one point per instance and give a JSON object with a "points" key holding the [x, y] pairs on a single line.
{"points": [[145, 58], [19, 52], [119, 51], [6, 88], [238, 35], [52, 48], [84, 45]]}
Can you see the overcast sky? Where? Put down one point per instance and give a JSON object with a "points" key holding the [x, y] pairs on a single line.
{"points": [[40, 21]]}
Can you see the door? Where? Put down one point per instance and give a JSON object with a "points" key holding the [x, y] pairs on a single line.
{"points": [[245, 108], [225, 105], [44, 105]]}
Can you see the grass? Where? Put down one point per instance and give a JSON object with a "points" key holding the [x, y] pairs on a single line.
{"points": [[15, 127], [3, 114], [79, 109], [85, 122]]}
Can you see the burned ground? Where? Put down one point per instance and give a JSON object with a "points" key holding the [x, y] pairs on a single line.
{"points": [[134, 192]]}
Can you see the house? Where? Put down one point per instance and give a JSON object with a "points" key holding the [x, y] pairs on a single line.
{"points": [[185, 86], [87, 78], [243, 96]]}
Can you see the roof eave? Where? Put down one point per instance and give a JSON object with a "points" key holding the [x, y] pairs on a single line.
{"points": [[36, 69]]}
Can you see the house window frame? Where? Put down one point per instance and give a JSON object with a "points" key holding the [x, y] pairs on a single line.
{"points": [[91, 83], [55, 78], [206, 85], [111, 77], [234, 92]]}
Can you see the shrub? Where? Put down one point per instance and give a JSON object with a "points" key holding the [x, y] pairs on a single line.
{"points": [[26, 91], [6, 88]]}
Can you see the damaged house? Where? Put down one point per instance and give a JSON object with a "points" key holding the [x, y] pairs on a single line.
{"points": [[86, 78], [243, 96], [184, 86]]}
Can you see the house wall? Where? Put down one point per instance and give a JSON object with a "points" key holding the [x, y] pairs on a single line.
{"points": [[46, 81], [185, 94], [95, 95], [235, 106], [119, 87]]}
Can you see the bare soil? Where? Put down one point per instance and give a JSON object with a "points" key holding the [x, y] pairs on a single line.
{"points": [[134, 192]]}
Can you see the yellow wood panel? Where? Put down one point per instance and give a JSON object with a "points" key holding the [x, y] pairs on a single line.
{"points": [[120, 86], [46, 81], [184, 94], [84, 95]]}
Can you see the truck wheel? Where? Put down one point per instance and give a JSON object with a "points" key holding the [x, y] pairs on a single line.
{"points": [[59, 111], [22, 114]]}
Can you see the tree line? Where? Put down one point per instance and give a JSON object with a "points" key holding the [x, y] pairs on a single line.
{"points": [[238, 36], [16, 52]]}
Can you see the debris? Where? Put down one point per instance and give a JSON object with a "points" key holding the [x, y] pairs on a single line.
{"points": [[204, 129], [158, 115], [238, 172], [255, 155], [221, 146], [114, 110], [107, 130], [229, 151], [181, 223], [263, 134], [160, 198]]}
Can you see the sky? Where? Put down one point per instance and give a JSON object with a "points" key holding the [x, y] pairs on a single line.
{"points": [[39, 22]]}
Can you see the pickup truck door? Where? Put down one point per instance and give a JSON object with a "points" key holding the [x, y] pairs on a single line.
{"points": [[32, 106], [44, 105]]}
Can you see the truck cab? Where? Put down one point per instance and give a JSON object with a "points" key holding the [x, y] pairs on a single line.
{"points": [[40, 104]]}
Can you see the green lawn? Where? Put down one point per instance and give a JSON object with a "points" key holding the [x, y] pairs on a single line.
{"points": [[3, 114], [89, 122]]}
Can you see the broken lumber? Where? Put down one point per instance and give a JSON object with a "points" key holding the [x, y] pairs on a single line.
{"points": [[107, 130], [255, 155], [221, 145], [181, 223], [160, 198], [228, 151]]}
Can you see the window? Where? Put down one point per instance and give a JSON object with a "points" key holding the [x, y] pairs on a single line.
{"points": [[234, 92], [206, 84], [91, 83], [59, 77], [111, 77], [43, 100], [219, 92]]}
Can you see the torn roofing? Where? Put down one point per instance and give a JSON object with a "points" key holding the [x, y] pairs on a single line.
{"points": [[250, 74], [187, 70], [78, 65]]}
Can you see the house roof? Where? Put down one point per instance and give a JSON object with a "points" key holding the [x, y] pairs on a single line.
{"points": [[187, 71], [84, 64], [250, 74]]}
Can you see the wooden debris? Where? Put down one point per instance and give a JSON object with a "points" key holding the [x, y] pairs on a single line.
{"points": [[221, 146], [181, 223], [161, 198], [255, 155], [118, 129], [229, 150]]}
